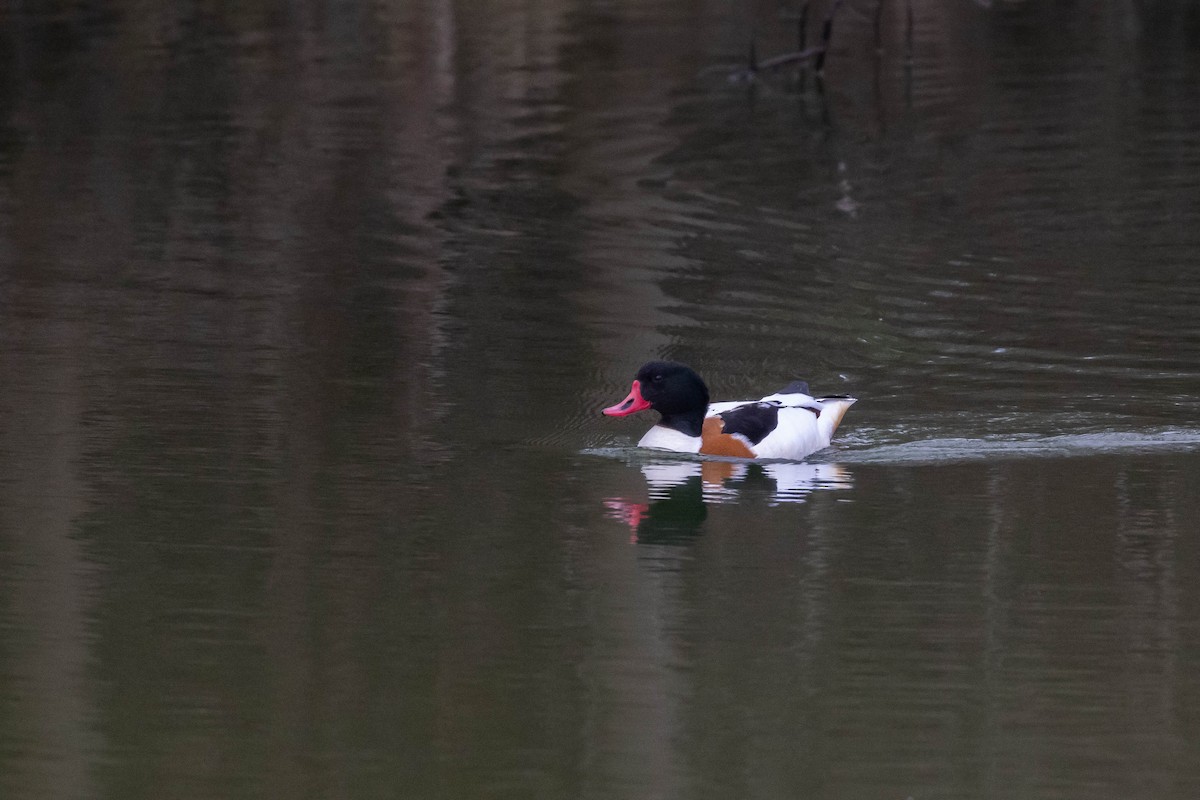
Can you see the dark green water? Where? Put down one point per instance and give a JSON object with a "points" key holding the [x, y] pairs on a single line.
{"points": [[307, 313]]}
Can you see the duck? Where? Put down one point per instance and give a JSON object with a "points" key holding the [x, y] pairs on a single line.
{"points": [[788, 425]]}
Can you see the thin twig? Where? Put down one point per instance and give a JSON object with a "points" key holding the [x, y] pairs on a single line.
{"points": [[908, 34], [879, 26], [775, 62], [826, 33]]}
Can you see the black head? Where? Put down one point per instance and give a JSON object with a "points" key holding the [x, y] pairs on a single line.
{"points": [[672, 388]]}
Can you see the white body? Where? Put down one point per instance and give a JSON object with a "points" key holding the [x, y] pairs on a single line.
{"points": [[800, 432], [660, 438]]}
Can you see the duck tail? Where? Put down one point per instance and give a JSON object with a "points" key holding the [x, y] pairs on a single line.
{"points": [[833, 408]]}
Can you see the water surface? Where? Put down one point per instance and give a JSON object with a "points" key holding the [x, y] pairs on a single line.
{"points": [[307, 313]]}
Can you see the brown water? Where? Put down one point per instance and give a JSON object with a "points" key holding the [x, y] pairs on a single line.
{"points": [[308, 312]]}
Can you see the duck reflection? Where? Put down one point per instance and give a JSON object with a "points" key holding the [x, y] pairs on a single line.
{"points": [[679, 492]]}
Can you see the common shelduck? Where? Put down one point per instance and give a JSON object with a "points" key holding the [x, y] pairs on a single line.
{"points": [[789, 424]]}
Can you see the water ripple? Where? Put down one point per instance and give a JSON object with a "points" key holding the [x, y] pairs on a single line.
{"points": [[946, 450]]}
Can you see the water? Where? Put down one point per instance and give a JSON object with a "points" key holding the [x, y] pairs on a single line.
{"points": [[307, 313]]}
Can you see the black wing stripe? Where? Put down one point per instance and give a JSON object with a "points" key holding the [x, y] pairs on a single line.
{"points": [[755, 421]]}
